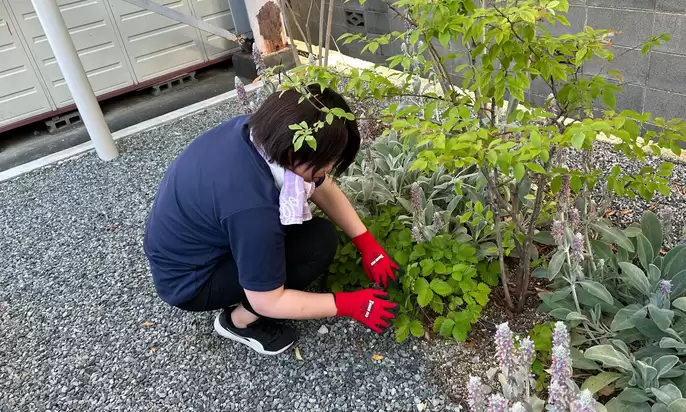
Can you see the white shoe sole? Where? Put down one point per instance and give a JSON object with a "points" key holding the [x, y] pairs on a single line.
{"points": [[252, 343]]}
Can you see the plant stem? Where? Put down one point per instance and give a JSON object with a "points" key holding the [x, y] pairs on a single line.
{"points": [[321, 30], [499, 241], [294, 16], [329, 23], [524, 274]]}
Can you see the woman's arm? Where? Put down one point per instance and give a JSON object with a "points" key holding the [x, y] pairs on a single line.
{"points": [[329, 197], [292, 304]]}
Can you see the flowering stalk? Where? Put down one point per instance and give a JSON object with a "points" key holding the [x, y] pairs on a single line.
{"points": [[476, 395], [504, 348], [259, 62], [242, 95], [497, 403]]}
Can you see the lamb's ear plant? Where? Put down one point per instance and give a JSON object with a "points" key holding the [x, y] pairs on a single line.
{"points": [[484, 120], [516, 383], [624, 300]]}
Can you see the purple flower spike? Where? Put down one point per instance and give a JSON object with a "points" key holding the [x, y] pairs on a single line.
{"points": [[417, 234], [438, 222], [574, 217], [242, 95], [578, 248], [497, 403], [558, 232], [560, 335], [584, 402], [664, 287], [476, 395], [518, 407], [416, 200], [504, 348], [526, 353], [257, 59]]}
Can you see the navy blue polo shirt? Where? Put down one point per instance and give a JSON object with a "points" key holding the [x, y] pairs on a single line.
{"points": [[217, 199]]}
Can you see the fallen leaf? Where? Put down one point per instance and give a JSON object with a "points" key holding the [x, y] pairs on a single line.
{"points": [[469, 343], [153, 350], [298, 356], [376, 357], [608, 390], [663, 252], [626, 211], [609, 212], [146, 323]]}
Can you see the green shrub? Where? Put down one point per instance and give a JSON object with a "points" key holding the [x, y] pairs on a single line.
{"points": [[443, 282]]}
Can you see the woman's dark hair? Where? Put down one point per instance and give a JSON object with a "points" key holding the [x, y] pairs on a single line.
{"points": [[337, 143]]}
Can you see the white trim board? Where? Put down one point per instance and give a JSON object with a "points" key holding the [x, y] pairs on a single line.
{"points": [[75, 151]]}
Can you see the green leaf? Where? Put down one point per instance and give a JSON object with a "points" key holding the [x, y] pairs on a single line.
{"points": [[645, 251], [555, 264], [424, 297], [609, 357], [436, 304], [598, 290], [600, 381], [576, 316], [633, 395], [665, 364], [667, 394], [578, 140], [535, 167], [652, 229], [519, 171], [616, 236], [635, 277], [662, 317], [674, 262], [460, 332], [416, 328], [447, 328], [680, 303], [615, 405], [441, 287], [402, 333], [678, 405], [420, 285], [609, 99], [624, 317], [580, 362]]}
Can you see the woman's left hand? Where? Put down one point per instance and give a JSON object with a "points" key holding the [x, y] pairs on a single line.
{"points": [[375, 261]]}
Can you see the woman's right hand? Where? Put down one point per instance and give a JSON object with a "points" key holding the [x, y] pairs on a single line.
{"points": [[369, 306]]}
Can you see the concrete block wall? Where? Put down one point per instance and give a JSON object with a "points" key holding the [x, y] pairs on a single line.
{"points": [[654, 83]]}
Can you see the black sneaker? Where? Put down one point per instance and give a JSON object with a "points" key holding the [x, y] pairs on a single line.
{"points": [[264, 336]]}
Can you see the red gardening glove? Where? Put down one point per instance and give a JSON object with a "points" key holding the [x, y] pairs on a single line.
{"points": [[369, 306], [376, 263]]}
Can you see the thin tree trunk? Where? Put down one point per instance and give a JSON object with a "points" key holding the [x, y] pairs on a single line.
{"points": [[329, 22], [306, 37], [321, 30], [524, 274], [289, 31]]}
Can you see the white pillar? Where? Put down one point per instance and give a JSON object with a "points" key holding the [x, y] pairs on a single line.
{"points": [[266, 14], [68, 59]]}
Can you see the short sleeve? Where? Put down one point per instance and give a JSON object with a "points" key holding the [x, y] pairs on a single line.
{"points": [[257, 241]]}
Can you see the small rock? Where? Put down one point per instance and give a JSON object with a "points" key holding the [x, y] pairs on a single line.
{"points": [[323, 330]]}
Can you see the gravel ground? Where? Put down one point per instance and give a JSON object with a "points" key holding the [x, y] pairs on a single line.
{"points": [[81, 327], [627, 210]]}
